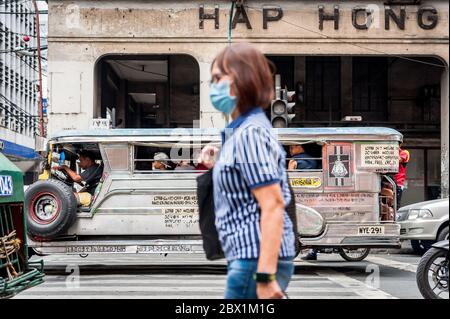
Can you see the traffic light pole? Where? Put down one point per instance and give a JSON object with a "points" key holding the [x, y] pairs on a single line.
{"points": [[40, 110]]}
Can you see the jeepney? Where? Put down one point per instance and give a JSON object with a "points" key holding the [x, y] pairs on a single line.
{"points": [[346, 204]]}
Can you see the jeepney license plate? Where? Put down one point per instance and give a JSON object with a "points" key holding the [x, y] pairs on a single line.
{"points": [[312, 182], [370, 230]]}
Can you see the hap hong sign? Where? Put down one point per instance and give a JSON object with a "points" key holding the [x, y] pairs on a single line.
{"points": [[362, 17]]}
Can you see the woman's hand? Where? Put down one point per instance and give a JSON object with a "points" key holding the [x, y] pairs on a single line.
{"points": [[208, 156], [270, 290]]}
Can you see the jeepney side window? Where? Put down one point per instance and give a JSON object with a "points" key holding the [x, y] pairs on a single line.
{"points": [[156, 158], [303, 156]]}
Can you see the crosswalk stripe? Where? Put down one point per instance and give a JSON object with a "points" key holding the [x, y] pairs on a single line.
{"points": [[392, 263], [46, 289], [356, 286], [68, 296], [325, 284]]}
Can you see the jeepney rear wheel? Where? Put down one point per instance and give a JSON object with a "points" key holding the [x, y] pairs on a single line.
{"points": [[51, 208], [358, 254]]}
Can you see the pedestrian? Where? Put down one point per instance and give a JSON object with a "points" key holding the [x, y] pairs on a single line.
{"points": [[250, 185], [400, 177]]}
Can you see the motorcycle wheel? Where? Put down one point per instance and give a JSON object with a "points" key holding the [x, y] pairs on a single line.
{"points": [[354, 254], [439, 274]]}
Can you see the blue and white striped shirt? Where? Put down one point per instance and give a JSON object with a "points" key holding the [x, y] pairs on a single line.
{"points": [[251, 156]]}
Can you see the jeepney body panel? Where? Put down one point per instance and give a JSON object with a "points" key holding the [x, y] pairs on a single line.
{"points": [[140, 211]]}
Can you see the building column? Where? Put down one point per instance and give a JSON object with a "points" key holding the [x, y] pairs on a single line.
{"points": [[346, 86], [444, 134]]}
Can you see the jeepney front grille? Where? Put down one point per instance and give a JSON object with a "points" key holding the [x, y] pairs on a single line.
{"points": [[10, 245]]}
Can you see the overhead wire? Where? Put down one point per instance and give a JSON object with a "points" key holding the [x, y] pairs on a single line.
{"points": [[25, 62]]}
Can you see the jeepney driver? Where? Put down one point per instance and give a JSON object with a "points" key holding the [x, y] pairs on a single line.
{"points": [[89, 178]]}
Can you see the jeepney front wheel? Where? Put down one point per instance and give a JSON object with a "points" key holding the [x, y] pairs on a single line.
{"points": [[51, 208], [358, 254]]}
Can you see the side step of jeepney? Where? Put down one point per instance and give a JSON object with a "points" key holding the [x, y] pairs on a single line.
{"points": [[118, 247]]}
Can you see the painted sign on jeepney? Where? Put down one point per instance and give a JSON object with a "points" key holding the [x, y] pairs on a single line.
{"points": [[342, 206], [339, 200], [180, 217], [382, 157], [174, 200]]}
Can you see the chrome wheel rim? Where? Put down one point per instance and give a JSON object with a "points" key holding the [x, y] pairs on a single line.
{"points": [[438, 277], [46, 208]]}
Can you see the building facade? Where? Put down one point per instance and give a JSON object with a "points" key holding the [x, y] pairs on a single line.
{"points": [[18, 83], [147, 63]]}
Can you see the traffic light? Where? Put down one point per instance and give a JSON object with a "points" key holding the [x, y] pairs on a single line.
{"points": [[281, 109]]}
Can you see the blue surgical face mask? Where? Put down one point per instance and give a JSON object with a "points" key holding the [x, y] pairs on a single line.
{"points": [[219, 93]]}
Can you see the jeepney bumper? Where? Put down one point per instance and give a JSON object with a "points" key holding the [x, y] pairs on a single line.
{"points": [[357, 235]]}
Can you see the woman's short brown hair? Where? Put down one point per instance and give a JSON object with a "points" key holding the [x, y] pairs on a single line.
{"points": [[251, 71]]}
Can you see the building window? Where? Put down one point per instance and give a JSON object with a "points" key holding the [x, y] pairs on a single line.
{"points": [[322, 91], [370, 84], [149, 91]]}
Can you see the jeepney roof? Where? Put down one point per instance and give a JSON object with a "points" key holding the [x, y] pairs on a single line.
{"points": [[212, 134]]}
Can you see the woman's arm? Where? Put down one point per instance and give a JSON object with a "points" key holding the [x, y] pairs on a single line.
{"points": [[271, 202]]}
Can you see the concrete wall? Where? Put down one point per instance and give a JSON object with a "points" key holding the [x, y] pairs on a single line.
{"points": [[80, 32]]}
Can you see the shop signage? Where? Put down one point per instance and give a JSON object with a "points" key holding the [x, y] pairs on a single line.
{"points": [[426, 17], [6, 185]]}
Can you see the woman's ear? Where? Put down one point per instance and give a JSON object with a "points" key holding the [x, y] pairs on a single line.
{"points": [[233, 89]]}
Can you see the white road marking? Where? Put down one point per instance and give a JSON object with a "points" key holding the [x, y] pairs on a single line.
{"points": [[308, 286], [392, 263], [356, 286], [318, 283]]}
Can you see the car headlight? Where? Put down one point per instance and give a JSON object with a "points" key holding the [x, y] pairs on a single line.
{"points": [[401, 215], [419, 213]]}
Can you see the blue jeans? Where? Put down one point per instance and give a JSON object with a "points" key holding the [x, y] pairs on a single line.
{"points": [[240, 282]]}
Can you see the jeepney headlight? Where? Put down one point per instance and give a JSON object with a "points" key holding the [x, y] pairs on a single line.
{"points": [[419, 213]]}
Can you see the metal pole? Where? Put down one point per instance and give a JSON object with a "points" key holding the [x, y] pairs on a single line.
{"points": [[277, 86], [40, 110]]}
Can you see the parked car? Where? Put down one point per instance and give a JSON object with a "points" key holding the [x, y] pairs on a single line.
{"points": [[424, 223]]}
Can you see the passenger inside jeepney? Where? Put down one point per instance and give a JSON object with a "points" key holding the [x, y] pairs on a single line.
{"points": [[183, 165], [160, 162], [89, 178], [301, 159]]}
